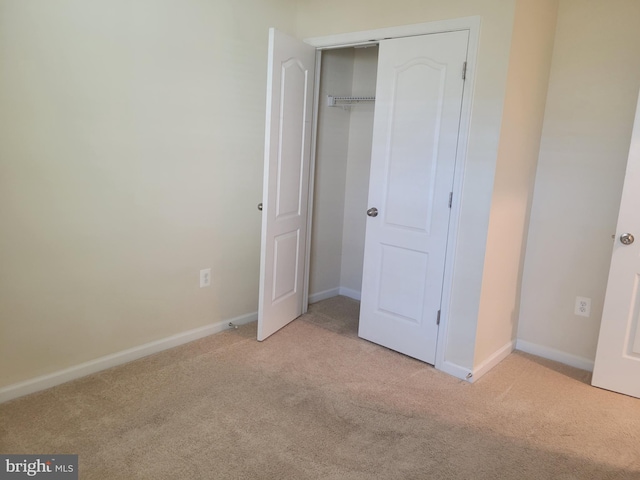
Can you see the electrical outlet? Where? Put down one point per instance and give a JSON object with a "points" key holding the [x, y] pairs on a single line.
{"points": [[583, 306], [205, 278]]}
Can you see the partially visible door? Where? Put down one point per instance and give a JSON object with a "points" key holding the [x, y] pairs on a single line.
{"points": [[617, 365], [290, 77], [417, 116]]}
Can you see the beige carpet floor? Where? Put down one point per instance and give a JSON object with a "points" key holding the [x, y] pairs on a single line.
{"points": [[316, 402]]}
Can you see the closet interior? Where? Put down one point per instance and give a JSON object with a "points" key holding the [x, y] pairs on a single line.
{"points": [[341, 178]]}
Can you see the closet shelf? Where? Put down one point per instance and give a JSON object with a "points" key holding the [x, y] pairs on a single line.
{"points": [[347, 101]]}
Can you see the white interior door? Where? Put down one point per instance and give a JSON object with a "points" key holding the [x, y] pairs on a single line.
{"points": [[287, 152], [415, 137], [617, 365]]}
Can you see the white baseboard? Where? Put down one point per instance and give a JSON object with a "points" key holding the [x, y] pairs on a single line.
{"points": [[455, 371], [318, 297], [556, 355], [347, 292], [77, 371], [493, 360]]}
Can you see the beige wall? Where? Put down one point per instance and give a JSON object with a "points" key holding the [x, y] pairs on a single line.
{"points": [[335, 16], [131, 152], [358, 164], [527, 81], [595, 78], [330, 173]]}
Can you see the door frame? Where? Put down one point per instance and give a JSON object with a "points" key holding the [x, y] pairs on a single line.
{"points": [[367, 37]]}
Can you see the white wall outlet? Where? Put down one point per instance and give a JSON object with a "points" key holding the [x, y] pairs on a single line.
{"points": [[205, 278], [583, 306]]}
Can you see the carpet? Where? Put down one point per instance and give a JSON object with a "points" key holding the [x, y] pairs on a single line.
{"points": [[316, 402]]}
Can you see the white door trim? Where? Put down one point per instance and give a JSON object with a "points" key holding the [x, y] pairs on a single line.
{"points": [[312, 177], [342, 40], [472, 24]]}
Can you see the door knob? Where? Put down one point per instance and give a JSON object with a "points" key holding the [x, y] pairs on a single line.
{"points": [[626, 239], [260, 206], [372, 212]]}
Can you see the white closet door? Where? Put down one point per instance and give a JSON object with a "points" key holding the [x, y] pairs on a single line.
{"points": [[290, 77], [417, 115], [617, 365]]}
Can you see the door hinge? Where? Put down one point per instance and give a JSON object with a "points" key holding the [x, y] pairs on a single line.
{"points": [[450, 199], [438, 319], [464, 71]]}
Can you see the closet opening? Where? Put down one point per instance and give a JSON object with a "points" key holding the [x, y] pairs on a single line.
{"points": [[341, 175]]}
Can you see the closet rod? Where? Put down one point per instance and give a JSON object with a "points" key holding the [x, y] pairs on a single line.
{"points": [[336, 101]]}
